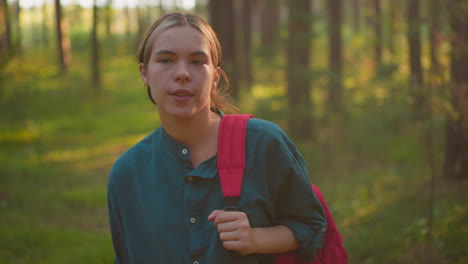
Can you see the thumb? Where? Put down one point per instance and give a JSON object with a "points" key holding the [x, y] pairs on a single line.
{"points": [[214, 214]]}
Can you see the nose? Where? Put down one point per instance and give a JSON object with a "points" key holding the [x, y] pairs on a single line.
{"points": [[182, 74]]}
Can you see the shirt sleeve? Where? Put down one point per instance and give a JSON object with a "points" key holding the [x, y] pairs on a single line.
{"points": [[115, 221], [297, 206]]}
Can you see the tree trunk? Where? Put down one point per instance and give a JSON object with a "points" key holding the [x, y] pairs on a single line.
{"points": [[270, 21], [6, 39], [431, 160], [434, 82], [95, 73], [435, 35], [222, 20], [35, 32], [298, 74], [378, 33], [108, 17], [392, 20], [149, 14], [128, 28], [161, 7], [45, 28], [63, 42], [199, 7], [141, 22], [3, 34], [246, 20], [356, 7], [18, 42], [456, 152], [334, 55], [414, 42]]}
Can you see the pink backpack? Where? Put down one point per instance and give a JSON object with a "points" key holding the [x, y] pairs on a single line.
{"points": [[231, 165]]}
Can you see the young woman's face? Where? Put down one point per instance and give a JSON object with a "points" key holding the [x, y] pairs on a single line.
{"points": [[180, 72]]}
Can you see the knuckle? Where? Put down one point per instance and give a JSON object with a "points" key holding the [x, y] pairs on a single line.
{"points": [[222, 236], [227, 245], [244, 225], [243, 247], [221, 217]]}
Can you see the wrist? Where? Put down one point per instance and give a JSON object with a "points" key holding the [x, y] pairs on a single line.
{"points": [[255, 238], [272, 240]]}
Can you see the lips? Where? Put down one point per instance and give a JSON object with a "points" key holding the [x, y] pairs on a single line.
{"points": [[181, 93]]}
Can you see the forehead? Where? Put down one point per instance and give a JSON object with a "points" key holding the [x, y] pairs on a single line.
{"points": [[181, 38]]}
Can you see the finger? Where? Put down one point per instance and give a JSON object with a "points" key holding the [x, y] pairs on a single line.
{"points": [[228, 236], [214, 214], [227, 226], [232, 244], [224, 217]]}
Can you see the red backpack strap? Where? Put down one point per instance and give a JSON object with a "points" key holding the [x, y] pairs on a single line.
{"points": [[231, 165], [231, 157]]}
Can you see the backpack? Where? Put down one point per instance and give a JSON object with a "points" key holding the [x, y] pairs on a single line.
{"points": [[231, 165]]}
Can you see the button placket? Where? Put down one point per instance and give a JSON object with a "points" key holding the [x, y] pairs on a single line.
{"points": [[193, 196]]}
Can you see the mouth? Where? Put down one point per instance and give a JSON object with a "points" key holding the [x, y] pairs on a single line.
{"points": [[181, 93]]}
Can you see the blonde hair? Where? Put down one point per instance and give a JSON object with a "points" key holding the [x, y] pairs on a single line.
{"points": [[220, 96]]}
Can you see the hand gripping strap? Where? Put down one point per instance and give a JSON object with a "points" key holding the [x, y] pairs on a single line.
{"points": [[231, 165], [231, 156]]}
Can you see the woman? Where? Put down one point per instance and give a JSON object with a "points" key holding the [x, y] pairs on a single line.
{"points": [[164, 194]]}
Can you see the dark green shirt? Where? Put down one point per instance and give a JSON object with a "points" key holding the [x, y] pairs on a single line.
{"points": [[159, 205]]}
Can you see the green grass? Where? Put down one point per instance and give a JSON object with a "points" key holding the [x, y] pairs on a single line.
{"points": [[59, 138]]}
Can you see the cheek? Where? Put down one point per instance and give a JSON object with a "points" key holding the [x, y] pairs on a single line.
{"points": [[155, 89], [156, 79]]}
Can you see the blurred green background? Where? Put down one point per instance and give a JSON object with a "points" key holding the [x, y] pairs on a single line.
{"points": [[372, 92]]}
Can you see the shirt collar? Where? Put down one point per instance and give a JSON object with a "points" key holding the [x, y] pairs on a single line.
{"points": [[207, 170], [173, 146]]}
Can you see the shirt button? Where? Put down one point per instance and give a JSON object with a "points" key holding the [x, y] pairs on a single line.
{"points": [[184, 151], [193, 220], [323, 229], [189, 178]]}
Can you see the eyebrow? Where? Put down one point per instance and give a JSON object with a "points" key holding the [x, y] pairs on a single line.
{"points": [[165, 52], [168, 52], [200, 53]]}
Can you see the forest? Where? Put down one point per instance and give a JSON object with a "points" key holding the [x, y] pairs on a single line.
{"points": [[374, 93]]}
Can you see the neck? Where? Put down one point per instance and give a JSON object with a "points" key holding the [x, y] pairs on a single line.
{"points": [[192, 131]]}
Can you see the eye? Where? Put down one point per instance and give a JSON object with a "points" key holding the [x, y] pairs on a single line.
{"points": [[198, 59], [164, 60], [197, 62]]}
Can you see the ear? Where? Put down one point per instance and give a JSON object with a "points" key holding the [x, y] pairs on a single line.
{"points": [[217, 76], [143, 73]]}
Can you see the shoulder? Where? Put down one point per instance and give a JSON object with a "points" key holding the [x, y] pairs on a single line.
{"points": [[272, 136], [268, 131], [133, 158], [140, 150], [264, 127]]}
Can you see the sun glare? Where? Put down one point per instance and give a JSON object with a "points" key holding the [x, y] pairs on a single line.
{"points": [[186, 4]]}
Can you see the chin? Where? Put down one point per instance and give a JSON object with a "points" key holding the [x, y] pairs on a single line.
{"points": [[183, 112]]}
